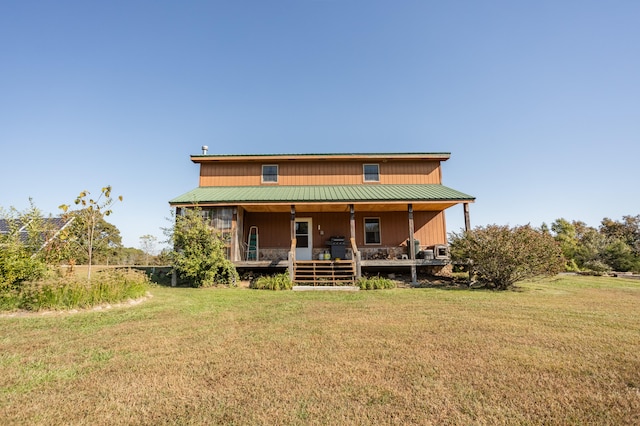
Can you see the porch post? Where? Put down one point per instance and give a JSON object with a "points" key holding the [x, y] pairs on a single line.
{"points": [[234, 236], [412, 247], [292, 254], [293, 222], [467, 228], [467, 221], [357, 257], [352, 221]]}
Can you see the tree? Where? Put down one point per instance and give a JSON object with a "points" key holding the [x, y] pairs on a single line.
{"points": [[627, 231], [199, 251], [91, 216], [106, 240], [502, 256], [566, 235], [148, 246]]}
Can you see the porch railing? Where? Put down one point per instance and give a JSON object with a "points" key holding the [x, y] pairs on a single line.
{"points": [[357, 257], [324, 272], [292, 259]]}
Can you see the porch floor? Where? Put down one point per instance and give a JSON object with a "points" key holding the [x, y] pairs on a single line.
{"points": [[377, 263]]}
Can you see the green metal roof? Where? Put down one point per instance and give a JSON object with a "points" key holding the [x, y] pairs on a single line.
{"points": [[320, 193]]}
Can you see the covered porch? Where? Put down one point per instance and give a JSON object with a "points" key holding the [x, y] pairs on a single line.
{"points": [[302, 238], [330, 227]]}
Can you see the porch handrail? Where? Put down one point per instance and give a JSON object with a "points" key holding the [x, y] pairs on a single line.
{"points": [[354, 247], [357, 257], [292, 259]]}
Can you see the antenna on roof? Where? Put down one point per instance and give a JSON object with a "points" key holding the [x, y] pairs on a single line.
{"points": [[204, 149]]}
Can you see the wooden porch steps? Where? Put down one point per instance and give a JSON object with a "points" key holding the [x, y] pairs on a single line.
{"points": [[324, 272]]}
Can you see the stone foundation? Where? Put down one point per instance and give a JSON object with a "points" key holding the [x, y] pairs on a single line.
{"points": [[273, 254], [382, 253]]}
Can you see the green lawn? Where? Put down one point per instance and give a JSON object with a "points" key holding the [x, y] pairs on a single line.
{"points": [[561, 351]]}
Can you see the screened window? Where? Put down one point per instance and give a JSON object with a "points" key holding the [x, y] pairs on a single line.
{"points": [[220, 219], [270, 173], [372, 230], [371, 172]]}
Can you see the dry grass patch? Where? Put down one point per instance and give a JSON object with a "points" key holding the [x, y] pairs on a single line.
{"points": [[563, 351]]}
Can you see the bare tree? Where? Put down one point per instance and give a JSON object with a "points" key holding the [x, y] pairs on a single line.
{"points": [[148, 246], [92, 212]]}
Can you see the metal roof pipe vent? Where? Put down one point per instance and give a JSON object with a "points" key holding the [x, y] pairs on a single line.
{"points": [[204, 149]]}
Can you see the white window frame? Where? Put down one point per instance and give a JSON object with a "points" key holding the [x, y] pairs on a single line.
{"points": [[364, 227], [364, 174], [277, 173]]}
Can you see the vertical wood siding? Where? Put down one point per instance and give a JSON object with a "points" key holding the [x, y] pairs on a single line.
{"points": [[274, 228], [429, 228], [320, 173]]}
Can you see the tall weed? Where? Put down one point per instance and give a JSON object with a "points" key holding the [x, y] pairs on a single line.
{"points": [[375, 283], [273, 282], [71, 292]]}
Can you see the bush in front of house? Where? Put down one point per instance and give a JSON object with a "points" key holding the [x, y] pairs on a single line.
{"points": [[71, 292], [502, 256], [375, 283], [272, 282], [199, 251]]}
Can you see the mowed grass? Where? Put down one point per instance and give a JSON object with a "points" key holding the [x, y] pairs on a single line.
{"points": [[560, 351]]}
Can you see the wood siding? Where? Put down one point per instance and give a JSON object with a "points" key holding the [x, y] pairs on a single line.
{"points": [[320, 173], [274, 228]]}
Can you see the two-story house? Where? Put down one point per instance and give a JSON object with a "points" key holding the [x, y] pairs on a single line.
{"points": [[320, 215]]}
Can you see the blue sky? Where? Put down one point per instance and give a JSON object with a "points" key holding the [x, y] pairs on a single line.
{"points": [[538, 101]]}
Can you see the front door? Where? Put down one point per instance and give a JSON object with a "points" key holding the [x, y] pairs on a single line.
{"points": [[304, 240]]}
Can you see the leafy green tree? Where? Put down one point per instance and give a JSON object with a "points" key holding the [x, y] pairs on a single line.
{"points": [[619, 256], [591, 246], [91, 219], [502, 256], [199, 251], [566, 235], [627, 230]]}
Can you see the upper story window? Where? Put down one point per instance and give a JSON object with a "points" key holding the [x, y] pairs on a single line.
{"points": [[371, 172], [269, 173]]}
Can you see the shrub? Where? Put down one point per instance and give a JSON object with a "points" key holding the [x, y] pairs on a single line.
{"points": [[272, 282], [199, 252], [596, 267], [502, 256], [17, 265], [375, 283], [71, 292]]}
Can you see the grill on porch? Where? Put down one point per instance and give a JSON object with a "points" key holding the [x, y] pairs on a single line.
{"points": [[338, 247]]}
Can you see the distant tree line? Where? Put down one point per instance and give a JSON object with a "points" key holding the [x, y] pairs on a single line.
{"points": [[613, 246]]}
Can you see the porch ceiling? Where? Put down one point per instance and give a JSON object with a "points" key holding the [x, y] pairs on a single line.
{"points": [[333, 198]]}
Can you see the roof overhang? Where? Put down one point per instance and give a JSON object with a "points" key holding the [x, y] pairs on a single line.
{"points": [[206, 158], [326, 198]]}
